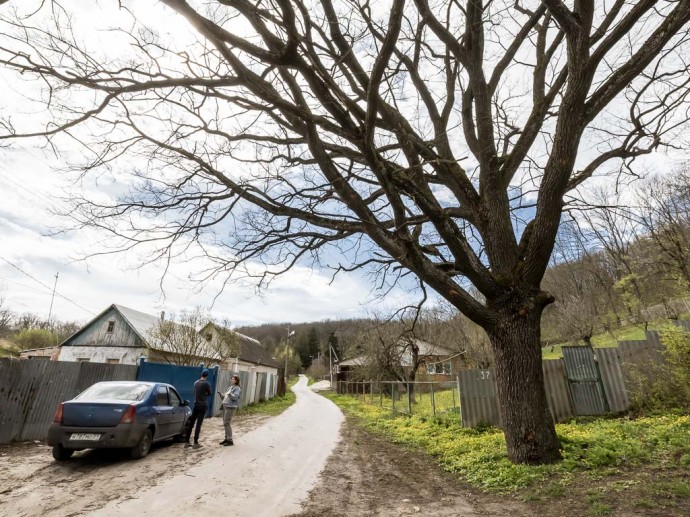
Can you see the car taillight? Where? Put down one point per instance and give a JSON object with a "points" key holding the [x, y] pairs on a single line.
{"points": [[58, 414], [129, 415]]}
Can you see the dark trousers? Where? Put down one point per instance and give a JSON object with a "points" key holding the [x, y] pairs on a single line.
{"points": [[198, 414]]}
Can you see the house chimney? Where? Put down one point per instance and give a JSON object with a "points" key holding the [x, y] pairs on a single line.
{"points": [[162, 315]]}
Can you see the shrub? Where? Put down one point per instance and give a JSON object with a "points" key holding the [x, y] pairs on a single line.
{"points": [[663, 385], [34, 338]]}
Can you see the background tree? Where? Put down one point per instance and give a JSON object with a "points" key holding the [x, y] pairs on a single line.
{"points": [[582, 288], [179, 339], [6, 315], [665, 218], [432, 142]]}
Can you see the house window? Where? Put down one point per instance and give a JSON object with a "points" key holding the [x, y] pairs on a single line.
{"points": [[442, 368], [111, 327], [209, 337], [112, 361]]}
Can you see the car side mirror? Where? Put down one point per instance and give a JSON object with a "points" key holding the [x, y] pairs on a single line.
{"points": [[185, 403]]}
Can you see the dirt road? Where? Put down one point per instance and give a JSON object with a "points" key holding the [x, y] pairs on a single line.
{"points": [[270, 470]]}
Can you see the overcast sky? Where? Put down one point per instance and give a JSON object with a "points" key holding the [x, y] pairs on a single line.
{"points": [[31, 189], [31, 254]]}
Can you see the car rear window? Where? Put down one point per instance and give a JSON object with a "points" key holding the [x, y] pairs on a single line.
{"points": [[121, 391]]}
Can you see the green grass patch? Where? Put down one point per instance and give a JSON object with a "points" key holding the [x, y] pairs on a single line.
{"points": [[595, 449], [604, 340], [272, 407], [442, 404]]}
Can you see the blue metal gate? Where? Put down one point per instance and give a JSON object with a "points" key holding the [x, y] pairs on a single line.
{"points": [[182, 377]]}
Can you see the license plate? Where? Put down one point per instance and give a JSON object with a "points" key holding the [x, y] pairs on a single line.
{"points": [[85, 437]]}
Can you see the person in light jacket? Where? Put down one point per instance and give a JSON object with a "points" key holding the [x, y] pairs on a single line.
{"points": [[231, 401]]}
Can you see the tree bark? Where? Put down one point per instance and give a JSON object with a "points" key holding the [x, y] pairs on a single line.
{"points": [[528, 426]]}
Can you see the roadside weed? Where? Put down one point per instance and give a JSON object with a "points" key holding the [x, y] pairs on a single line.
{"points": [[600, 456]]}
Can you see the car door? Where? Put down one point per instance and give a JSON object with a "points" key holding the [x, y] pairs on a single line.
{"points": [[163, 412], [178, 413]]}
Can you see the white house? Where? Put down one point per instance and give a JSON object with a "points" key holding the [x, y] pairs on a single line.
{"points": [[120, 335], [249, 357]]}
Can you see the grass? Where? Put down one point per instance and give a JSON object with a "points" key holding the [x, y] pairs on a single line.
{"points": [[8, 349], [274, 406], [446, 403], [595, 452], [603, 340]]}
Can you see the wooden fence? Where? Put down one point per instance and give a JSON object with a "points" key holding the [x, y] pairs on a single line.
{"points": [[31, 390]]}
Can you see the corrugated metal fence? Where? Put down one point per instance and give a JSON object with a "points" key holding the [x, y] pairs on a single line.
{"points": [[585, 382], [182, 377], [256, 387], [30, 391]]}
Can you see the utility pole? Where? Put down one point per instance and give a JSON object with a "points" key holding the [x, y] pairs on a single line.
{"points": [[287, 347], [331, 352], [50, 312]]}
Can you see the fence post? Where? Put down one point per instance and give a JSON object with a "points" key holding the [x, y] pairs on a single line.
{"points": [[393, 384], [433, 400], [380, 394], [457, 380], [409, 399], [452, 390]]}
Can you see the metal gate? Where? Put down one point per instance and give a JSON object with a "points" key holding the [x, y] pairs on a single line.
{"points": [[584, 381], [182, 377]]}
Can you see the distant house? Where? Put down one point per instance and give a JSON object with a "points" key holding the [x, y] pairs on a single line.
{"points": [[120, 335], [245, 354], [436, 363]]}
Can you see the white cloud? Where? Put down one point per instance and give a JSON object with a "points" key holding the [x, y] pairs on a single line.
{"points": [[30, 188]]}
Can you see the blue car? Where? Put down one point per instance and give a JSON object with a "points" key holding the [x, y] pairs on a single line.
{"points": [[118, 414]]}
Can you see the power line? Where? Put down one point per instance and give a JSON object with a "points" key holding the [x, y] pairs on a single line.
{"points": [[37, 195], [47, 287]]}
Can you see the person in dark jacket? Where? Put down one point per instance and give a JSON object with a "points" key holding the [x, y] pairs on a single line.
{"points": [[231, 402], [202, 389]]}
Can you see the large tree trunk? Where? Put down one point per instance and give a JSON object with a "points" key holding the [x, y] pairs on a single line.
{"points": [[528, 426]]}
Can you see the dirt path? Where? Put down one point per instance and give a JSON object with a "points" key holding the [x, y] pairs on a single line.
{"points": [[369, 476], [32, 484], [268, 472]]}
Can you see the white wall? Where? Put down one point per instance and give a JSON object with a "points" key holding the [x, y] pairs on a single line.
{"points": [[101, 354], [235, 365]]}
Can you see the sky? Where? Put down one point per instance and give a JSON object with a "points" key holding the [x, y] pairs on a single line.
{"points": [[33, 252]]}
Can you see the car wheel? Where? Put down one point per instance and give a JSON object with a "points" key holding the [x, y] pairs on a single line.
{"points": [[143, 446], [62, 454]]}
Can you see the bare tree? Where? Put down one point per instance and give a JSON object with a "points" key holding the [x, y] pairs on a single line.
{"points": [[6, 314], [435, 141], [180, 342], [582, 288], [665, 217]]}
